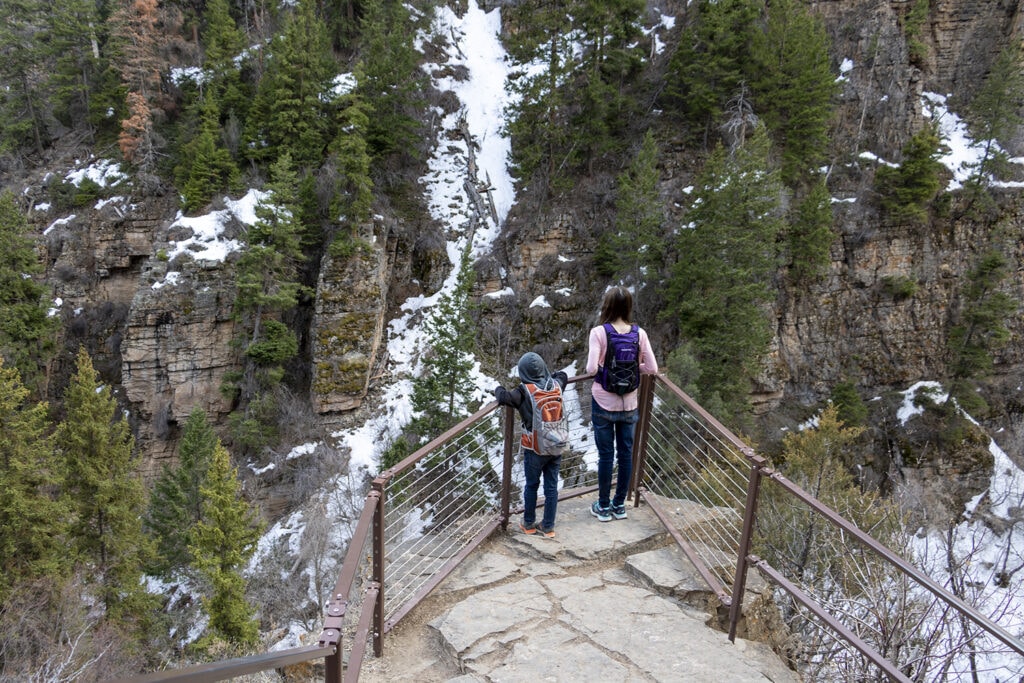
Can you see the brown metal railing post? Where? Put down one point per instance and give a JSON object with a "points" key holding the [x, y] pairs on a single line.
{"points": [[746, 536], [378, 570], [643, 428], [509, 433]]}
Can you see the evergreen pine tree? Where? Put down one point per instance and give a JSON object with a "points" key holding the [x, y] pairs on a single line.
{"points": [[267, 282], [727, 255], [175, 504], [810, 234], [633, 247], [33, 523], [106, 495], [907, 191], [538, 123], [289, 114], [610, 32], [350, 153], [26, 331], [24, 99], [393, 82], [206, 166], [981, 329], [711, 62], [995, 114], [222, 542], [795, 88], [82, 94], [440, 393]]}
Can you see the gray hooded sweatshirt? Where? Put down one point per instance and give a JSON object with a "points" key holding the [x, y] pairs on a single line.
{"points": [[532, 370]]}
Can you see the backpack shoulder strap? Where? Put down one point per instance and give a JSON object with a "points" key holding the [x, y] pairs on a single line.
{"points": [[609, 349]]}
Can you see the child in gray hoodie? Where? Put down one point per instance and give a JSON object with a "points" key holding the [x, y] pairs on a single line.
{"points": [[533, 370]]}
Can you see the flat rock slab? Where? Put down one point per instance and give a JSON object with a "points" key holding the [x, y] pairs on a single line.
{"points": [[579, 537], [600, 601]]}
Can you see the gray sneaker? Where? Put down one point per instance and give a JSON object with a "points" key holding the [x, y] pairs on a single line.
{"points": [[602, 514], [618, 511]]}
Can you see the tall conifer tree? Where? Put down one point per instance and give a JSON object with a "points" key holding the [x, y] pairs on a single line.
{"points": [[106, 494], [727, 255], [392, 82], [907, 191], [33, 523], [995, 113], [24, 98], [82, 83], [634, 247], [795, 87], [712, 61], [26, 331], [175, 505], [441, 392], [350, 153], [222, 542], [810, 233], [290, 113], [268, 286]]}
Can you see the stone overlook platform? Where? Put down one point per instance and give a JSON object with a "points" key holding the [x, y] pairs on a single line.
{"points": [[611, 601]]}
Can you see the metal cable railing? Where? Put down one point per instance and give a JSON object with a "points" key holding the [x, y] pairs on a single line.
{"points": [[853, 608], [437, 503], [696, 477]]}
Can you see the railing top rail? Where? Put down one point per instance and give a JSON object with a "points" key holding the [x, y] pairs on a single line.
{"points": [[231, 668], [451, 433]]}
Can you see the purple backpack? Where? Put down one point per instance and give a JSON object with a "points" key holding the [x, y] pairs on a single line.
{"points": [[621, 372]]}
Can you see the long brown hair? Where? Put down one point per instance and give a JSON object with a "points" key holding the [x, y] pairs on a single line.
{"points": [[618, 303]]}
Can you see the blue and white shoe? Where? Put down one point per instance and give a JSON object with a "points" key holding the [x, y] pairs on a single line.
{"points": [[603, 514], [618, 511]]}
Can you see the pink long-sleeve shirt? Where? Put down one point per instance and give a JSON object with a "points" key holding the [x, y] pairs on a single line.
{"points": [[595, 359]]}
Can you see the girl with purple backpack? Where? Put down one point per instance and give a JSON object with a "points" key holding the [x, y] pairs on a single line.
{"points": [[619, 352]]}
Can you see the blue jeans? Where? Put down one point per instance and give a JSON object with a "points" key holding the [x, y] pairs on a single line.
{"points": [[613, 436], [536, 466]]}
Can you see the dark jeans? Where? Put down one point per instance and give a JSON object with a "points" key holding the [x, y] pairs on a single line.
{"points": [[613, 436], [536, 466]]}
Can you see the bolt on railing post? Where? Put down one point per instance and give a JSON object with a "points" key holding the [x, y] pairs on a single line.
{"points": [[509, 433], [378, 570], [643, 428], [746, 536]]}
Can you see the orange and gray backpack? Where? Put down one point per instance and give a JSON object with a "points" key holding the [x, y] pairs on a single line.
{"points": [[550, 432]]}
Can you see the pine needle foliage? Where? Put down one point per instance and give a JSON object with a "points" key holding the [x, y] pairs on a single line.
{"points": [[440, 394], [290, 113], [392, 82], [906, 191], [795, 87], [268, 286], [106, 496], [981, 327], [711, 63], [995, 116], [810, 234], [222, 542], [720, 284], [33, 522], [632, 251], [26, 330], [175, 506]]}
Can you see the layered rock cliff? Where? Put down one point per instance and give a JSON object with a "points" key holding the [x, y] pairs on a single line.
{"points": [[159, 323]]}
